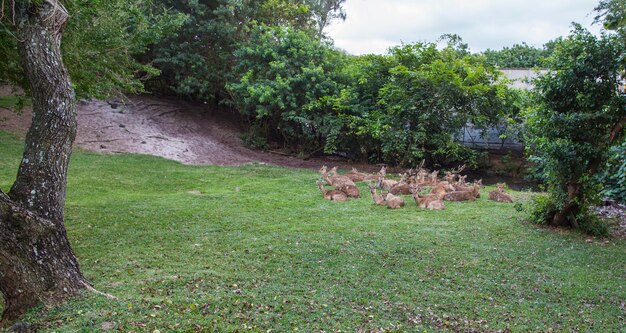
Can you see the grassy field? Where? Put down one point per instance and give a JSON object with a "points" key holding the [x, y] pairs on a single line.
{"points": [[256, 248]]}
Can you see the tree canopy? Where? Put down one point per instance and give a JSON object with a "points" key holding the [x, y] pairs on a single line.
{"points": [[101, 44], [518, 56]]}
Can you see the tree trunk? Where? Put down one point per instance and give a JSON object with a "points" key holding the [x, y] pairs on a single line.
{"points": [[37, 265], [566, 216]]}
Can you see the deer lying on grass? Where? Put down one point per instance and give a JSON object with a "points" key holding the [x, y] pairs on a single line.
{"points": [[378, 199], [341, 183], [441, 189], [499, 195], [452, 174], [385, 184], [429, 201], [431, 179], [470, 195], [332, 195], [462, 186], [357, 176], [401, 187], [393, 201], [334, 179]]}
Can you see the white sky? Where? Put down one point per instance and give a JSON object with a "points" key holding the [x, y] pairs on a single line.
{"points": [[373, 26]]}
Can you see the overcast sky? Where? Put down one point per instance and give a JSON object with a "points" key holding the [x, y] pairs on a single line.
{"points": [[373, 26]]}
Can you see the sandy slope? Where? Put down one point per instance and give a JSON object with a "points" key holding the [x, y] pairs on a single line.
{"points": [[177, 130]]}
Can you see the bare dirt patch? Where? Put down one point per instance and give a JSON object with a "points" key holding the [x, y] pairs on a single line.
{"points": [[186, 132]]}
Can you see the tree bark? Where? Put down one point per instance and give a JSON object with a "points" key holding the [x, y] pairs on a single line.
{"points": [[37, 264], [566, 216]]}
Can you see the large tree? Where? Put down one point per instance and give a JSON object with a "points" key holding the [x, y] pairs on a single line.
{"points": [[579, 114], [37, 265]]}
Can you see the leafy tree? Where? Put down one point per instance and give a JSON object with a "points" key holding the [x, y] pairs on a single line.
{"points": [[357, 106], [101, 45], [579, 115], [612, 13], [285, 82], [517, 56], [613, 177], [411, 104], [197, 62], [37, 265]]}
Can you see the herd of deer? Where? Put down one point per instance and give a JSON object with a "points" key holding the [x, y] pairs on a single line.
{"points": [[451, 188]]}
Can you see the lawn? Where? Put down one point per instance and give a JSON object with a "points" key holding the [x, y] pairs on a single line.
{"points": [[256, 248]]}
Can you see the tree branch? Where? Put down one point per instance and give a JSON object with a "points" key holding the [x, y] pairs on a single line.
{"points": [[617, 128]]}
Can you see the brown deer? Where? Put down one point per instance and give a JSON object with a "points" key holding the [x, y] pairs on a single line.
{"points": [[431, 201], [386, 184], [452, 174], [401, 187], [393, 201], [357, 176], [470, 195], [432, 178], [332, 195], [341, 183], [440, 189], [378, 199], [479, 184], [499, 195]]}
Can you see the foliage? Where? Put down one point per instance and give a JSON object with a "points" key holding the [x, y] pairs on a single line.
{"points": [[579, 114], [99, 45], [400, 108], [284, 83], [613, 177], [326, 11], [103, 40], [185, 251], [518, 56], [612, 13], [411, 104], [197, 62]]}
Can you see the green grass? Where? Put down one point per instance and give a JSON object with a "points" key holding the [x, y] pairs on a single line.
{"points": [[256, 248], [9, 102]]}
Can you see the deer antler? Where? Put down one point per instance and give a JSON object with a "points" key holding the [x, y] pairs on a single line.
{"points": [[458, 170], [420, 166]]}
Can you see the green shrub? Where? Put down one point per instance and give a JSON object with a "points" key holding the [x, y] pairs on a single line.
{"points": [[253, 140], [541, 210], [614, 176]]}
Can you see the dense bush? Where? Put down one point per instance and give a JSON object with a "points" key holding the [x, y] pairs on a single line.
{"points": [[285, 83], [197, 62], [410, 105], [613, 177], [398, 108]]}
